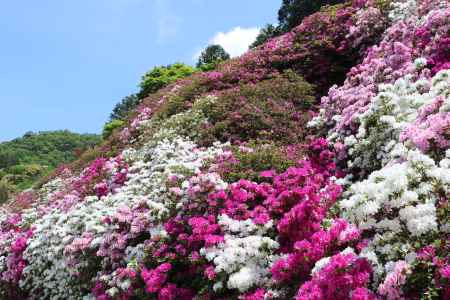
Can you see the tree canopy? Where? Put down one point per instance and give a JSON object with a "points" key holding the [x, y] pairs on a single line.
{"points": [[267, 32], [161, 76], [211, 56], [123, 108]]}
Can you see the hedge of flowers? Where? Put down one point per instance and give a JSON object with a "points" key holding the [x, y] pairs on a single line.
{"points": [[222, 191], [389, 125]]}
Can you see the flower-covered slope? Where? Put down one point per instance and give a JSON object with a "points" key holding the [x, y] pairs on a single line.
{"points": [[235, 184]]}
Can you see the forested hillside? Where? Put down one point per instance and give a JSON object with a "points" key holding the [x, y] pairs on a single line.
{"points": [[316, 166], [26, 159]]}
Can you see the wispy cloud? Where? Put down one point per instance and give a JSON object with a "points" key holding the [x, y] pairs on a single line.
{"points": [[235, 41]]}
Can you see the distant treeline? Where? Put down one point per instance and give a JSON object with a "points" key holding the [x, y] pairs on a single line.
{"points": [[28, 158]]}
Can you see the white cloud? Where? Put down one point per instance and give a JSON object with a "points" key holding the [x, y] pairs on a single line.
{"points": [[235, 41]]}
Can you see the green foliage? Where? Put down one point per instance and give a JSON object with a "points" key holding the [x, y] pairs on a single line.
{"points": [[267, 32], [124, 107], [22, 176], [250, 163], [26, 159], [5, 190], [162, 76], [110, 127], [174, 105], [182, 100], [183, 122], [383, 5], [8, 157], [211, 56]]}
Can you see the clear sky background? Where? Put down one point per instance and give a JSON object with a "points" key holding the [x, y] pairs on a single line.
{"points": [[64, 64]]}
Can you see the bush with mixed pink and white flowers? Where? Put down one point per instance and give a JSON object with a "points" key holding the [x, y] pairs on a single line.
{"points": [[238, 184]]}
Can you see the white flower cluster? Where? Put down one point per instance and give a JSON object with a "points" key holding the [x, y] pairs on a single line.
{"points": [[177, 157], [402, 10], [243, 228], [399, 203], [319, 121], [245, 255], [395, 107], [48, 271]]}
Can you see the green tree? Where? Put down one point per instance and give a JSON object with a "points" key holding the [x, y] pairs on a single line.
{"points": [[267, 32], [124, 107], [292, 12], [159, 77], [211, 56], [8, 157]]}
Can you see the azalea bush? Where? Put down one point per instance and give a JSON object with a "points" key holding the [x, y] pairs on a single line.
{"points": [[271, 110], [238, 184]]}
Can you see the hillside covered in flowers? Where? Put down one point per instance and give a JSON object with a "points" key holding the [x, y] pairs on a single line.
{"points": [[315, 166]]}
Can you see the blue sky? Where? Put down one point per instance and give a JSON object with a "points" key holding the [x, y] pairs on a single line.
{"points": [[64, 64]]}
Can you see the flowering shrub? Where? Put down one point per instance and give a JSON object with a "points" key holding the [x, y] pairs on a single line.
{"points": [[393, 58], [345, 276], [430, 131], [13, 243], [389, 126], [399, 113], [400, 205], [255, 162], [271, 110], [215, 188], [319, 48]]}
